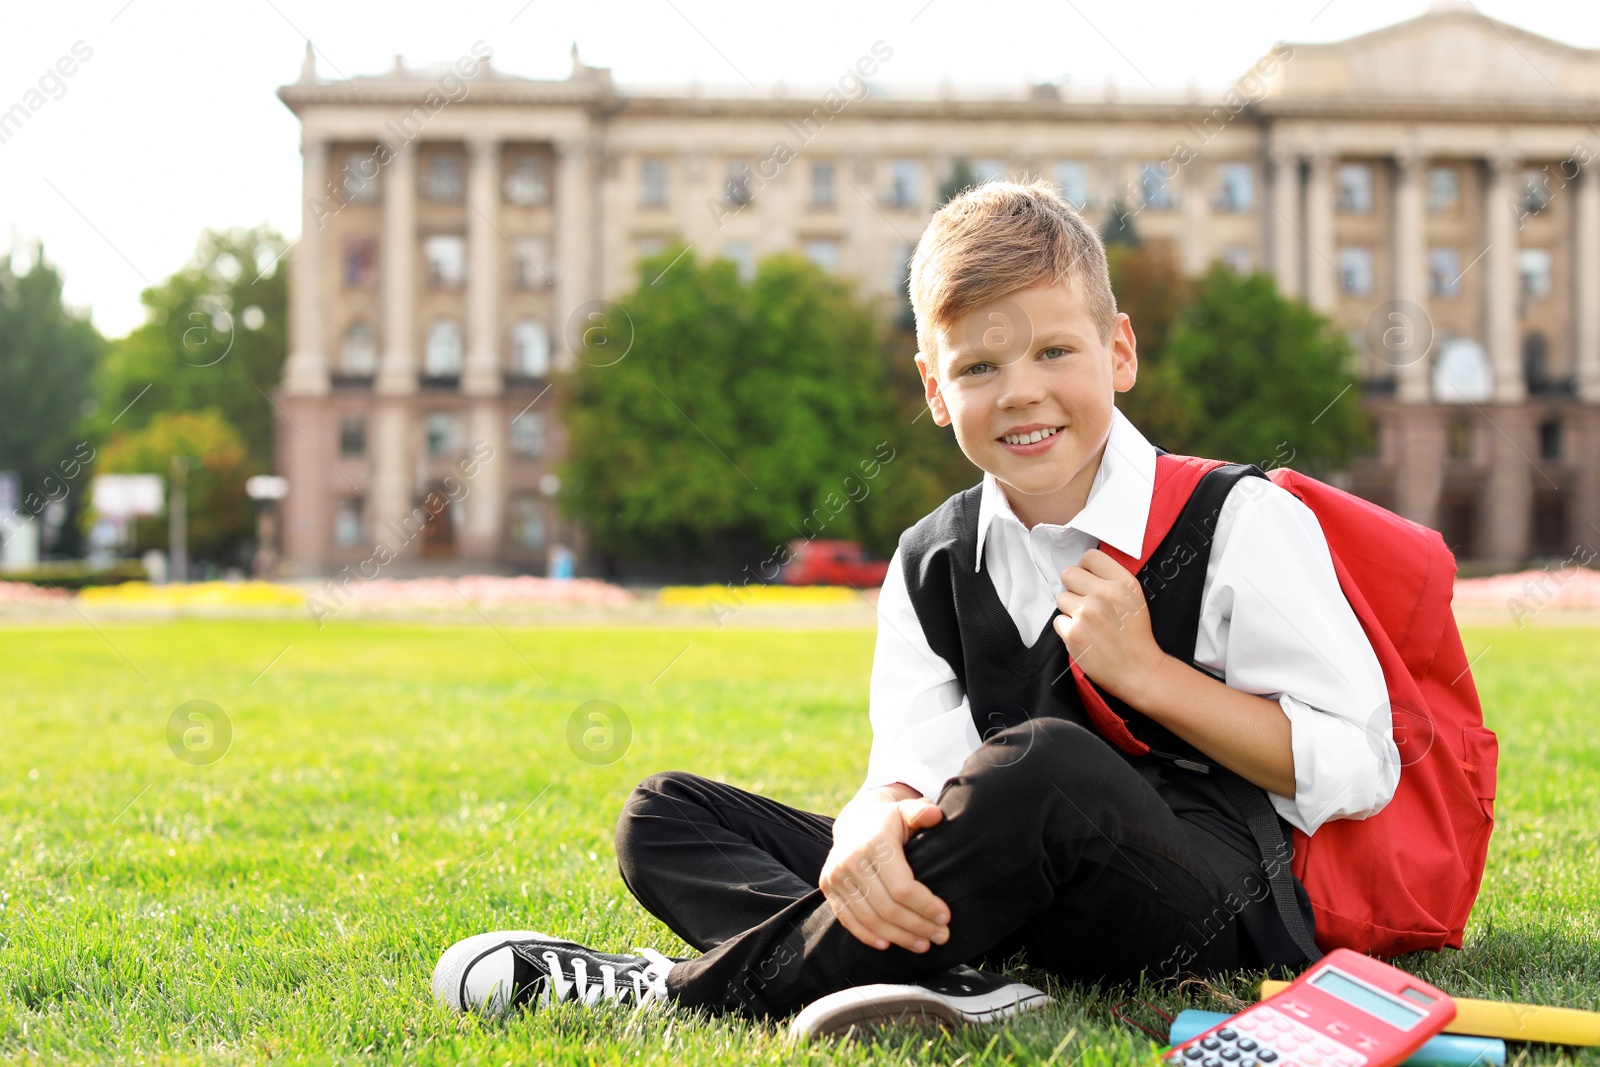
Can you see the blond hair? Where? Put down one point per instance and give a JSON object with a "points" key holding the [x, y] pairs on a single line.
{"points": [[999, 238]]}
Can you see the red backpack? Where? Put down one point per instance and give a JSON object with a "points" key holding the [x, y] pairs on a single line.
{"points": [[1406, 878]]}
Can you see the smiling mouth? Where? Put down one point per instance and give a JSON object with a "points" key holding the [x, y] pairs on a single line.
{"points": [[1030, 438]]}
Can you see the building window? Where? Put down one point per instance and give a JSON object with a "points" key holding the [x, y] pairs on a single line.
{"points": [[1550, 440], [527, 435], [446, 255], [441, 355], [822, 186], [736, 188], [1461, 373], [360, 179], [1236, 183], [1073, 178], [442, 179], [1355, 271], [743, 257], [530, 349], [352, 435], [1536, 362], [1241, 259], [527, 521], [1444, 272], [1534, 266], [360, 262], [531, 268], [988, 170], [442, 430], [645, 247], [653, 183], [905, 183], [1444, 190], [900, 270], [1459, 438], [1355, 188], [1153, 187], [824, 253], [358, 356], [348, 529], [1535, 191], [528, 181]]}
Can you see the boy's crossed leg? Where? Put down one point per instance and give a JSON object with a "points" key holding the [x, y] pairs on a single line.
{"points": [[1050, 842]]}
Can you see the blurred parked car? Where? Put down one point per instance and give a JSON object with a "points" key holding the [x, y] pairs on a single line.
{"points": [[833, 563]]}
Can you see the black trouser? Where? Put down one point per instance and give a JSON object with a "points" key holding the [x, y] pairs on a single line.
{"points": [[1049, 843]]}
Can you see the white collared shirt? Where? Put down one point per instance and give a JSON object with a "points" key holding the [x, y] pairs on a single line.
{"points": [[1273, 622]]}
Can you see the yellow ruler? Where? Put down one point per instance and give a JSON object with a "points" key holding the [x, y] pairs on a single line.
{"points": [[1511, 1022]]}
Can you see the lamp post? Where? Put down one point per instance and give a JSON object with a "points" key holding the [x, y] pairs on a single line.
{"points": [[177, 519], [266, 490]]}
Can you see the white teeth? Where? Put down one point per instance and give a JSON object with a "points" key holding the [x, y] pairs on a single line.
{"points": [[1028, 438]]}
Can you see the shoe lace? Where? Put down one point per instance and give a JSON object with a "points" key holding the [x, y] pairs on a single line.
{"points": [[649, 982]]}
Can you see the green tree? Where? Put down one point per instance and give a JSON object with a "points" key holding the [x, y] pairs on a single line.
{"points": [[219, 515], [1118, 228], [740, 417], [47, 353], [1152, 290], [962, 177], [1266, 380], [215, 337]]}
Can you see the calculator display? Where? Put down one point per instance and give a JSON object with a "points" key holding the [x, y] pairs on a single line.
{"points": [[1361, 996]]}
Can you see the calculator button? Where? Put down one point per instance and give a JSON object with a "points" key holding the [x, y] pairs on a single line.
{"points": [[1193, 1052], [1227, 1035], [1248, 1061], [1267, 1055], [1210, 1061], [1324, 1046], [1230, 1054], [1246, 1044], [1210, 1043], [1247, 1022]]}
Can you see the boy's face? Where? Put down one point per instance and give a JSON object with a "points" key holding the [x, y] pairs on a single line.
{"points": [[1031, 363]]}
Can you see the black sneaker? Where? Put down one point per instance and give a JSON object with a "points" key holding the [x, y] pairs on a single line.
{"points": [[960, 996], [495, 972]]}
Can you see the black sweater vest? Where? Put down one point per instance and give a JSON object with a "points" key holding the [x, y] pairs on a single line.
{"points": [[1008, 682]]}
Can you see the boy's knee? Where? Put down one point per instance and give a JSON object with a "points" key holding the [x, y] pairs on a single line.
{"points": [[1040, 753], [646, 798]]}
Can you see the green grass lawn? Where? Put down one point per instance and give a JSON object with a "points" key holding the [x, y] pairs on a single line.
{"points": [[390, 788]]}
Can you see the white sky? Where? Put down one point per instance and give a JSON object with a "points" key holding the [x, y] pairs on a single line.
{"points": [[172, 125]]}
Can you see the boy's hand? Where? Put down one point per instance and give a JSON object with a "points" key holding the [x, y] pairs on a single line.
{"points": [[868, 882], [1105, 625]]}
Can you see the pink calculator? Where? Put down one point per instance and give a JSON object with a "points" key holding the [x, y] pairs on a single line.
{"points": [[1347, 1010]]}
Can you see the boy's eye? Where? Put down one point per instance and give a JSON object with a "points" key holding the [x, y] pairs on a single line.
{"points": [[1053, 353], [978, 368]]}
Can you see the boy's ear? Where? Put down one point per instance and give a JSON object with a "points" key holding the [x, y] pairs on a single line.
{"points": [[930, 389], [1124, 354]]}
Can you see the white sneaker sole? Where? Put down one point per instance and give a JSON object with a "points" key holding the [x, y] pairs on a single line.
{"points": [[475, 974], [893, 1004]]}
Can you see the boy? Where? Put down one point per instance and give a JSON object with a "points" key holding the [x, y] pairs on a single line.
{"points": [[994, 816]]}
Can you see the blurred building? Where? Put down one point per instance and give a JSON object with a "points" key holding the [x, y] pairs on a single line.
{"points": [[1429, 186]]}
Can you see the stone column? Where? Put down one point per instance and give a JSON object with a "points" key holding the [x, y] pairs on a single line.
{"points": [[397, 366], [1419, 438], [1193, 239], [1284, 220], [306, 370], [1586, 297], [574, 181], [392, 440], [1508, 496], [1501, 280], [483, 535], [485, 252], [1322, 287], [1411, 272]]}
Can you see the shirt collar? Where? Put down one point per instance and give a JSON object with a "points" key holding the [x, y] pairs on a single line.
{"points": [[1118, 507]]}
